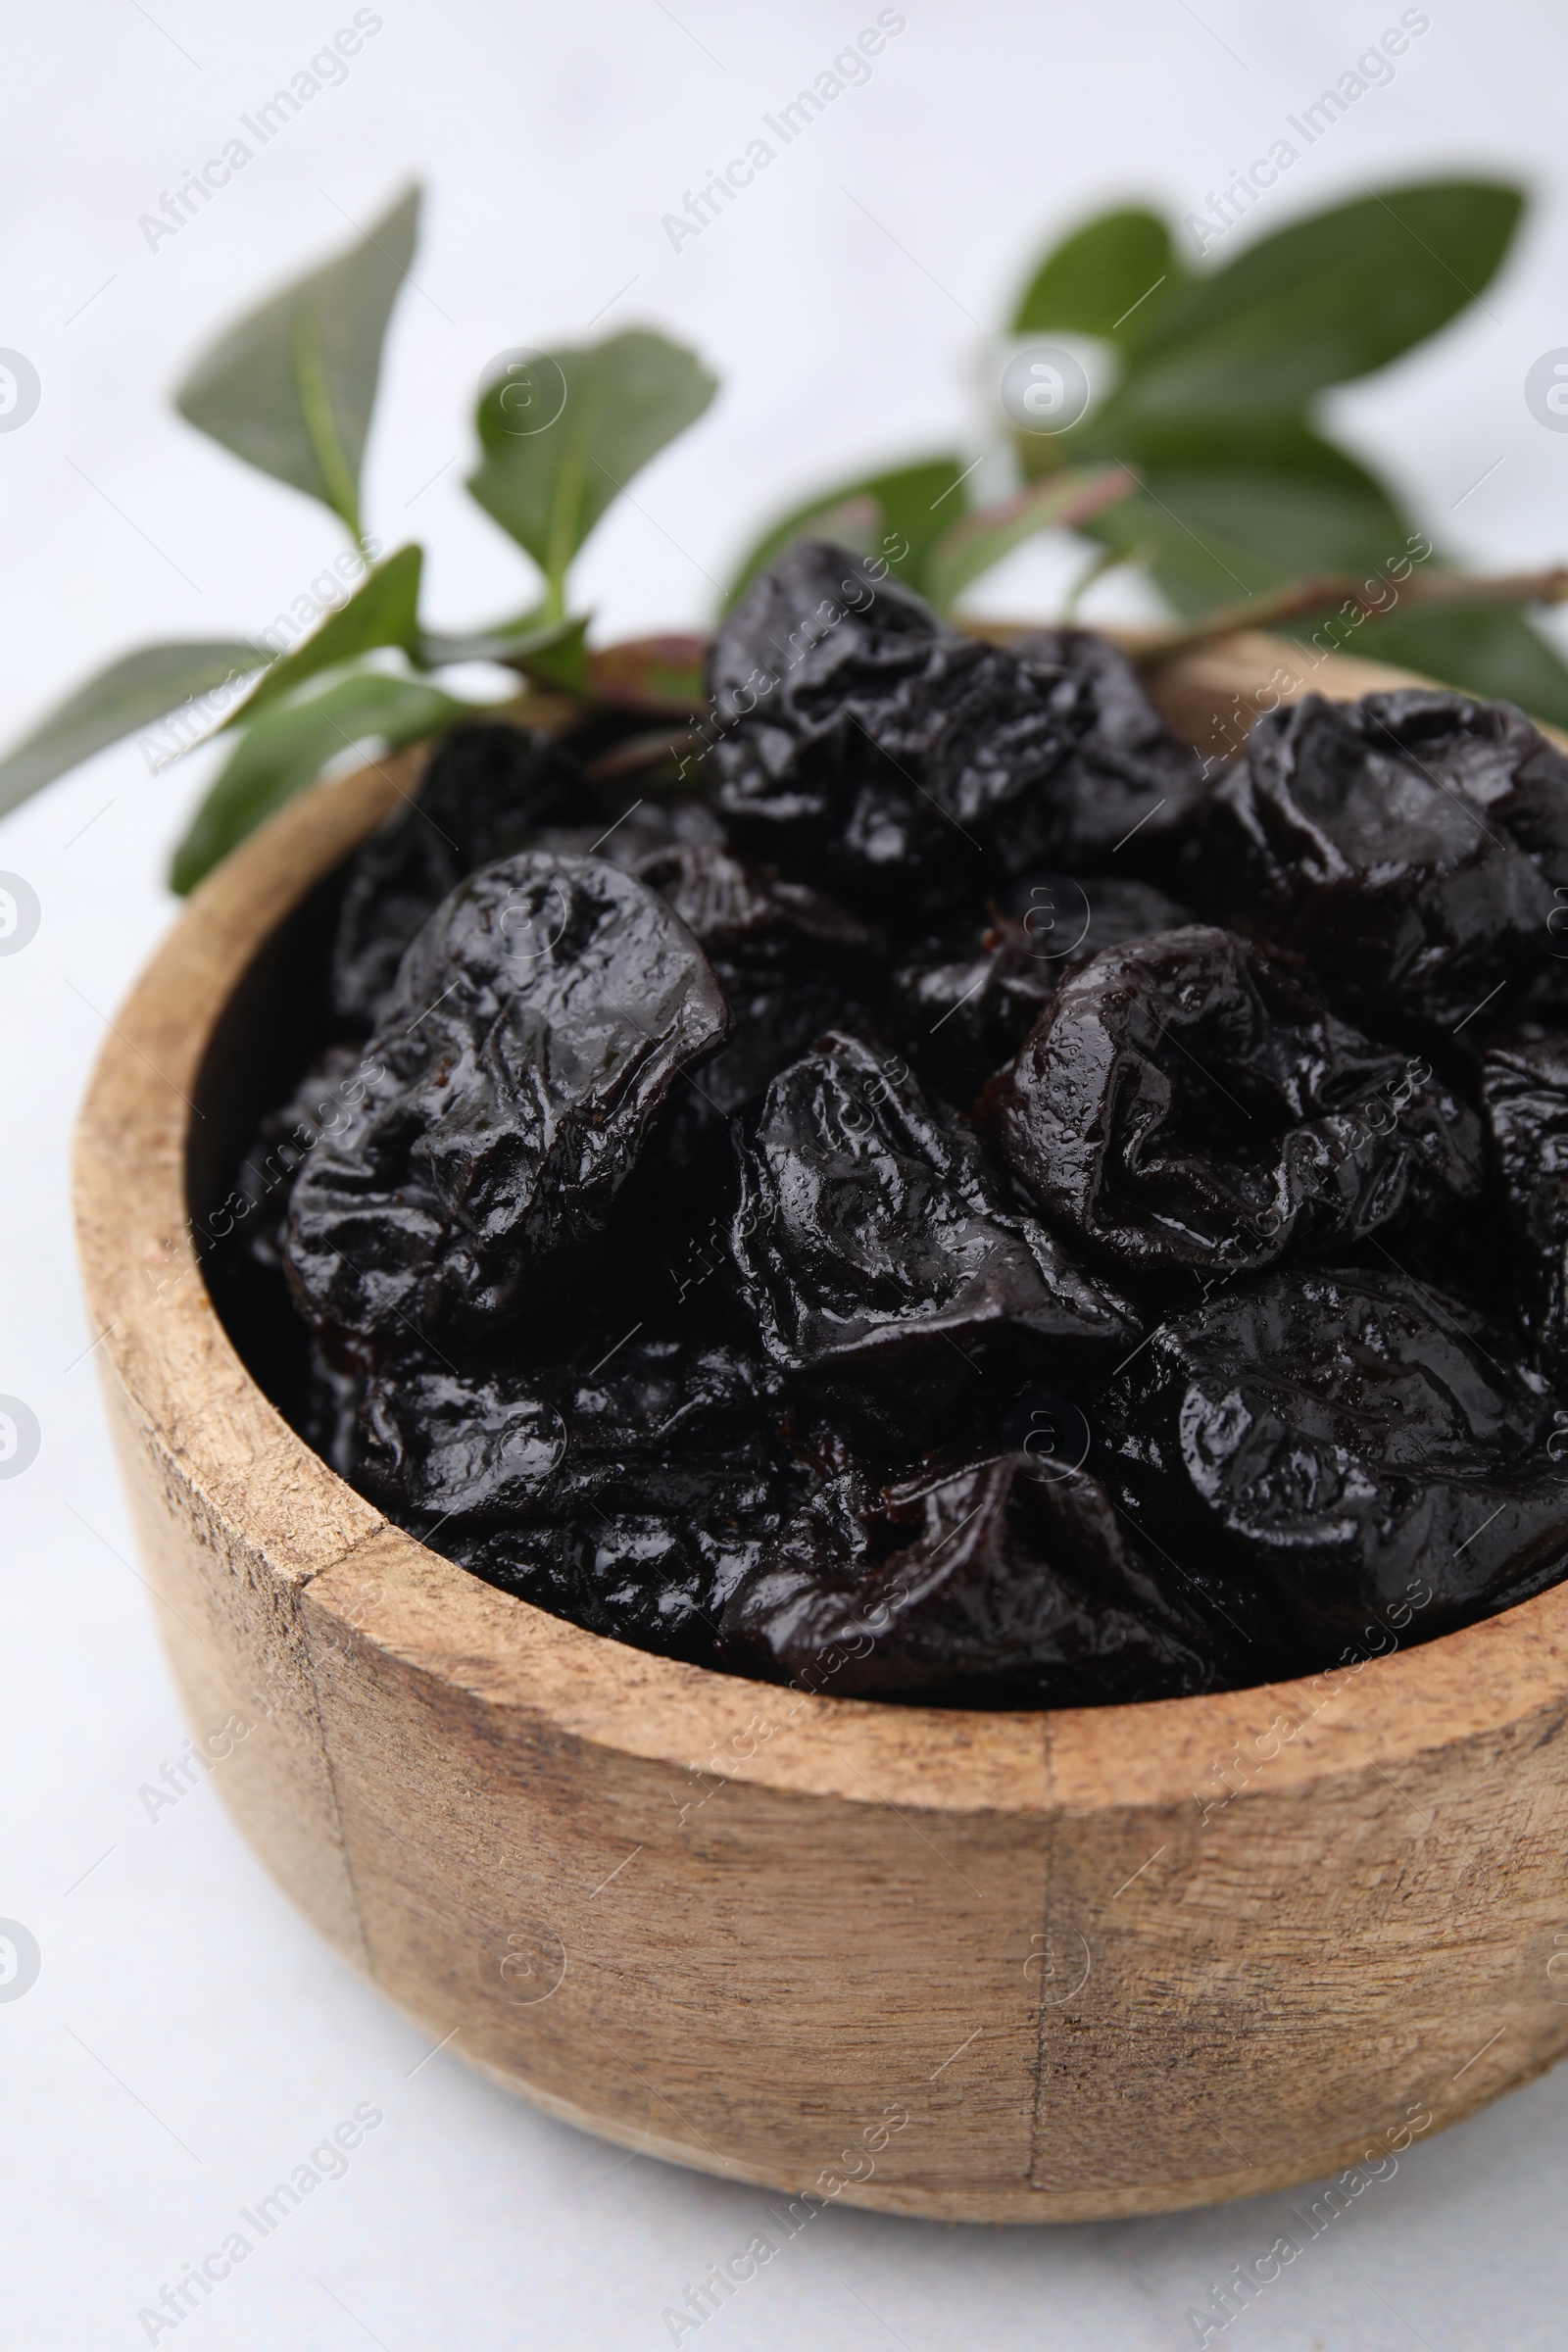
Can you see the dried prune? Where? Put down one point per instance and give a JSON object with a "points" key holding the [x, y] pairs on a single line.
{"points": [[485, 792], [637, 833], [872, 1235], [960, 1015], [740, 914], [630, 1497], [963, 1005], [872, 750], [312, 1379], [1406, 844], [323, 1106], [623, 1261], [1129, 788], [1524, 1096], [790, 962], [1007, 1580], [1321, 1447], [1189, 1100], [338, 1368], [535, 1028], [1067, 918]]}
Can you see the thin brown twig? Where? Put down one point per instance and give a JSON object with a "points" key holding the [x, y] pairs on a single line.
{"points": [[641, 751], [1299, 600]]}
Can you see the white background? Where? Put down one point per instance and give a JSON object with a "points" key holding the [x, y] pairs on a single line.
{"points": [[189, 2040]]}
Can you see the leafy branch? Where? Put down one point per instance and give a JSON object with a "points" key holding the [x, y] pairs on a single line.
{"points": [[1246, 513], [1202, 466], [291, 389]]}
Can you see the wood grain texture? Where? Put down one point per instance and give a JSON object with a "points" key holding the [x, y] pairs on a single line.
{"points": [[1101, 1961]]}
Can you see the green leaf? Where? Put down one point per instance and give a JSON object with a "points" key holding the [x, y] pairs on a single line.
{"points": [[508, 642], [555, 652], [615, 406], [980, 539], [1105, 278], [1234, 506], [382, 610], [1218, 536], [291, 387], [915, 504], [1482, 650], [1322, 301], [287, 748], [555, 655], [130, 692], [1281, 444]]}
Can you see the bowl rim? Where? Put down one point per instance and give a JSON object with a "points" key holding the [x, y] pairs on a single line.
{"points": [[159, 1337]]}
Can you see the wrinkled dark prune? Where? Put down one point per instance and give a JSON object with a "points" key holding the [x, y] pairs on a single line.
{"points": [[1524, 1097], [872, 750], [536, 1026], [1129, 788], [963, 1005], [637, 833], [872, 1235], [321, 1105], [790, 962], [1328, 1452], [1407, 844], [1065, 917], [960, 1015], [309, 1376], [652, 1578], [486, 790], [740, 914], [338, 1368], [623, 1264], [630, 1497], [1189, 1100], [1010, 1578]]}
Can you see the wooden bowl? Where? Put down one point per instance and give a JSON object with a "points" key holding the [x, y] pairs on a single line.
{"points": [[988, 1967]]}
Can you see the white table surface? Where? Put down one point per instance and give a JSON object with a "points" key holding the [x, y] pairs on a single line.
{"points": [[188, 2038]]}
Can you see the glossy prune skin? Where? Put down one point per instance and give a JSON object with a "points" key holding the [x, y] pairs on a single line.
{"points": [[1326, 1448], [486, 790], [338, 1369], [1189, 1102], [1407, 844], [535, 1029], [874, 752], [321, 1105], [1065, 918], [623, 1263], [872, 1236], [1129, 789], [791, 961], [1007, 1579], [1524, 1099], [962, 1005], [742, 915], [959, 1015], [630, 1496], [639, 832], [312, 1377]]}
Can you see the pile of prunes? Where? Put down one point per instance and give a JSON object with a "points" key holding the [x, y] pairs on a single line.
{"points": [[948, 1195]]}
